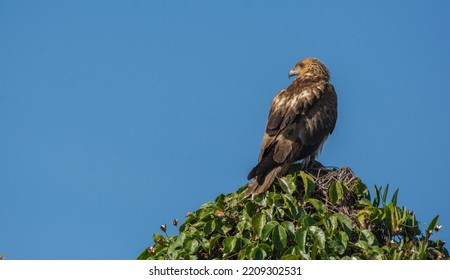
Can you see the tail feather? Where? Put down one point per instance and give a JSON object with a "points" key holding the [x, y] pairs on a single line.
{"points": [[264, 166], [258, 187]]}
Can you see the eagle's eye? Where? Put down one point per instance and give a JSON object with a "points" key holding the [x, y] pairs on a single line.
{"points": [[301, 65]]}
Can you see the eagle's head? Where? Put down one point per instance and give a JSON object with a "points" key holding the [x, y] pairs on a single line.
{"points": [[310, 68]]}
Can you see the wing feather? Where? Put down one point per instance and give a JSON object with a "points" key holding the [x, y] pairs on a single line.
{"points": [[300, 119], [286, 117]]}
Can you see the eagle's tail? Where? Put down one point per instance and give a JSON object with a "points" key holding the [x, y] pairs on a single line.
{"points": [[260, 186]]}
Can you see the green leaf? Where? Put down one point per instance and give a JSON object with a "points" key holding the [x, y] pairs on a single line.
{"points": [[223, 228], [288, 184], [290, 228], [160, 250], [364, 202], [179, 241], [278, 200], [207, 205], [376, 199], [220, 201], [241, 226], [384, 197], [213, 242], [305, 255], [266, 247], [245, 254], [191, 218], [308, 184], [314, 249], [267, 230], [343, 239], [157, 237], [291, 204], [206, 213], [242, 243], [280, 214], [210, 227], [279, 237], [306, 221], [290, 257], [362, 245], [258, 222], [300, 239], [392, 217], [362, 216], [335, 192], [361, 189], [270, 201], [318, 205], [250, 208], [229, 244], [394, 198], [260, 199], [258, 253], [293, 250], [368, 236], [332, 224], [191, 246], [433, 224], [345, 222], [319, 236]]}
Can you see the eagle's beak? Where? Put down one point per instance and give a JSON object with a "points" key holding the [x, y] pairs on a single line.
{"points": [[292, 73]]}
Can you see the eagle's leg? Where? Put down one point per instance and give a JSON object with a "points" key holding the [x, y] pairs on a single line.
{"points": [[311, 163]]}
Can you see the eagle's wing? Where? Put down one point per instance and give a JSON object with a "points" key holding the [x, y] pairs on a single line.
{"points": [[299, 121]]}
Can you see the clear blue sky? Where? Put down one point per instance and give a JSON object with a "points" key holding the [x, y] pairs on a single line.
{"points": [[119, 116]]}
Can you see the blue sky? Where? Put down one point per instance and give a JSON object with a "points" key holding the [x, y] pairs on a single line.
{"points": [[119, 116]]}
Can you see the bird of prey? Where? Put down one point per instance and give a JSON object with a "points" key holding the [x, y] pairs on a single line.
{"points": [[300, 119]]}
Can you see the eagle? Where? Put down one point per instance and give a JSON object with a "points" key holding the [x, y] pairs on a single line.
{"points": [[301, 118]]}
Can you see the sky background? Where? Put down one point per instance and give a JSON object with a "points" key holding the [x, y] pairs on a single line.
{"points": [[119, 116]]}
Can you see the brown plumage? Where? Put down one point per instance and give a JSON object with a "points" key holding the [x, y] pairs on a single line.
{"points": [[300, 119]]}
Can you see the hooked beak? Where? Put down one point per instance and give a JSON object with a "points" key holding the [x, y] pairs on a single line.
{"points": [[292, 73]]}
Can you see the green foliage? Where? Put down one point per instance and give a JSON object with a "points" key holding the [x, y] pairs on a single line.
{"points": [[319, 214]]}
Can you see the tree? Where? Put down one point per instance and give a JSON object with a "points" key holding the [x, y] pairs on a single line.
{"points": [[316, 214]]}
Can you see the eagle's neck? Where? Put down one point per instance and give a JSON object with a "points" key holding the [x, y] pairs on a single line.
{"points": [[306, 80]]}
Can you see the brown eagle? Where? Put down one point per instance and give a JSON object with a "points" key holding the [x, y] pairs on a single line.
{"points": [[300, 119]]}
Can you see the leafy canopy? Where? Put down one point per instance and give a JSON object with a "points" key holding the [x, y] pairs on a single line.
{"points": [[319, 214]]}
